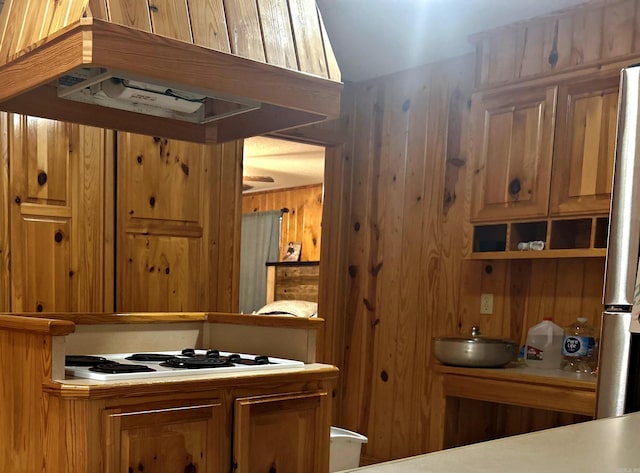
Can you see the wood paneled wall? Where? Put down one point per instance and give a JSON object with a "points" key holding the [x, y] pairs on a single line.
{"points": [[399, 199], [399, 204], [526, 291], [303, 221]]}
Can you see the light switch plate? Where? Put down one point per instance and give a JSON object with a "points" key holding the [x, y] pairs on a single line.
{"points": [[486, 303]]}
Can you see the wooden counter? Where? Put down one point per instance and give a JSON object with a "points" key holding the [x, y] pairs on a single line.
{"points": [[552, 390], [196, 422]]}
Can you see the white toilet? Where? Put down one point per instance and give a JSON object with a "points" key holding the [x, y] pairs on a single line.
{"points": [[344, 451]]}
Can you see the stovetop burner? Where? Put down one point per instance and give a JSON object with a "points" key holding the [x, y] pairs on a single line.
{"points": [[121, 366], [196, 363], [114, 368], [84, 360], [149, 357]]}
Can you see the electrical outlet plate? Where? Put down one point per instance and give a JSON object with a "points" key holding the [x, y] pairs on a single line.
{"points": [[486, 303]]}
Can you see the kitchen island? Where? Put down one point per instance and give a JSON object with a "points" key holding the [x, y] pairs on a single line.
{"points": [[198, 423], [598, 446]]}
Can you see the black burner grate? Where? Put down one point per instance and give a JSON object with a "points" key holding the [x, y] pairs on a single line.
{"points": [[149, 357], [114, 368], [84, 360]]}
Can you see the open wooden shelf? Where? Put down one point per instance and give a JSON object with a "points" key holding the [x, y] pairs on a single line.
{"points": [[579, 237]]}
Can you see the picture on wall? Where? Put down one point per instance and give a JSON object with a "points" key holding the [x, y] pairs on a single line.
{"points": [[292, 251]]}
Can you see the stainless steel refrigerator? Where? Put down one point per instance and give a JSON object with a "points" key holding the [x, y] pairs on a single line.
{"points": [[619, 363]]}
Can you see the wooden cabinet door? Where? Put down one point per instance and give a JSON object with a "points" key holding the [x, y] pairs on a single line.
{"points": [[190, 439], [282, 433], [585, 147], [513, 145], [57, 201], [179, 211]]}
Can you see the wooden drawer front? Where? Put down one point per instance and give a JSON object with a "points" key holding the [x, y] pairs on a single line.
{"points": [[284, 433], [173, 439], [585, 148], [514, 144]]}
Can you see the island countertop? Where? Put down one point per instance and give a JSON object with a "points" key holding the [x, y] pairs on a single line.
{"points": [[598, 446]]}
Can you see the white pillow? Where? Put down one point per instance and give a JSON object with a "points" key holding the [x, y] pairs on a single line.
{"points": [[296, 308]]}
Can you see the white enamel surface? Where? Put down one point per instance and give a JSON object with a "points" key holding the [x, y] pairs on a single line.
{"points": [[601, 446], [162, 371]]}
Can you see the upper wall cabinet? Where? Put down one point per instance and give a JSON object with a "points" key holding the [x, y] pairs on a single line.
{"points": [[513, 146], [178, 213], [587, 36], [59, 215], [540, 181], [584, 147]]}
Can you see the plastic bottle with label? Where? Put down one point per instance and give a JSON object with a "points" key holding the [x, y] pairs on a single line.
{"points": [[579, 347], [544, 345]]}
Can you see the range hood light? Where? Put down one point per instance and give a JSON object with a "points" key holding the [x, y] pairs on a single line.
{"points": [[141, 93], [109, 89]]}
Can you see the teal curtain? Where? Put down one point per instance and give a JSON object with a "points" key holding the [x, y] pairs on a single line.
{"points": [[260, 244]]}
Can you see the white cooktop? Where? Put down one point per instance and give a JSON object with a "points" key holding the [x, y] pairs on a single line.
{"points": [[164, 371]]}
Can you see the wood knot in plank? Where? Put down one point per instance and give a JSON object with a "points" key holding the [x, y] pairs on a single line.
{"points": [[376, 232], [375, 269], [353, 271], [370, 307], [449, 199], [457, 162]]}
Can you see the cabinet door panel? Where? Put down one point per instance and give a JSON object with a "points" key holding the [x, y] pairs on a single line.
{"points": [[284, 433], [165, 178], [162, 273], [585, 147], [178, 217], [40, 214], [57, 204], [513, 146], [47, 149], [166, 440], [41, 281]]}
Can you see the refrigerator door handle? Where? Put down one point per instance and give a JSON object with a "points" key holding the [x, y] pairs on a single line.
{"points": [[624, 225]]}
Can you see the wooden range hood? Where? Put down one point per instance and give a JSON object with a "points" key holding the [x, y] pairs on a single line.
{"points": [[249, 67]]}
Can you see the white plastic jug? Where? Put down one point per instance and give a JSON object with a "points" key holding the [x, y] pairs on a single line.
{"points": [[544, 345]]}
